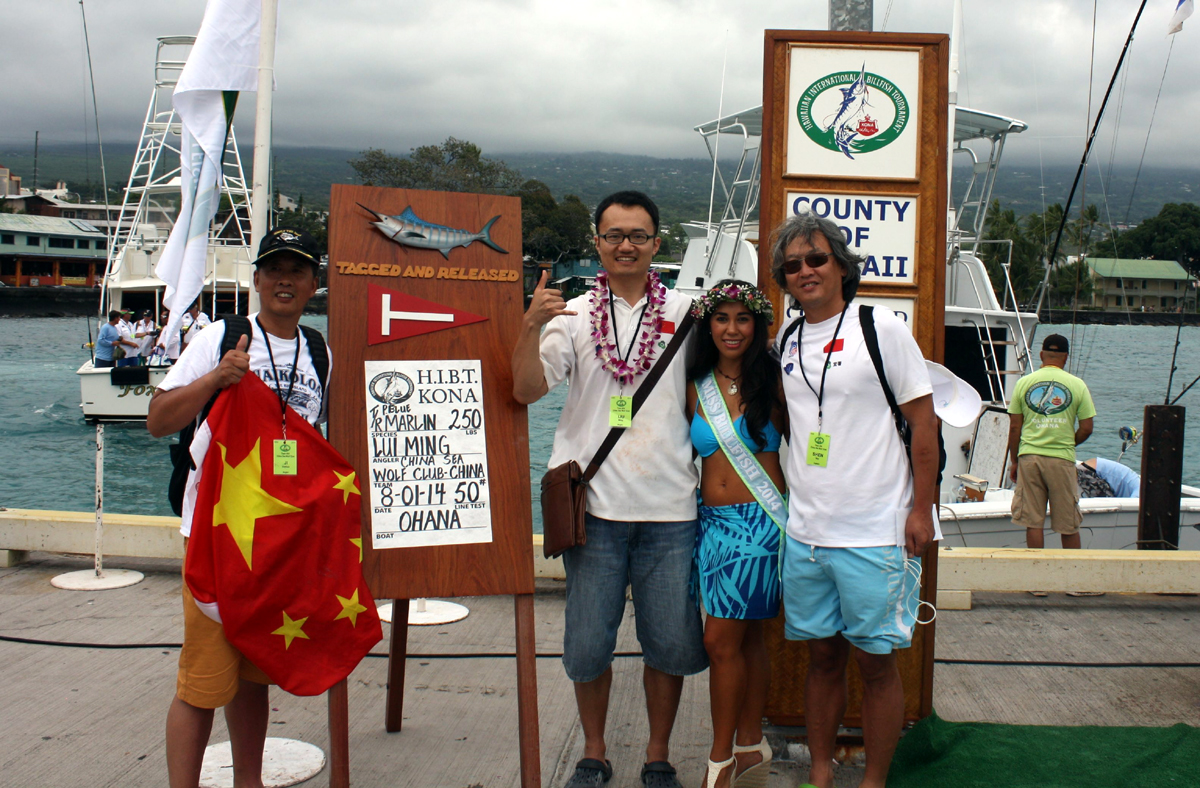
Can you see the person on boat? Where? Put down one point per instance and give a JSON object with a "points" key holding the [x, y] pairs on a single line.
{"points": [[169, 346], [1122, 481], [1045, 408], [132, 347], [860, 513], [212, 673], [143, 334], [108, 340], [193, 322], [641, 505], [738, 418]]}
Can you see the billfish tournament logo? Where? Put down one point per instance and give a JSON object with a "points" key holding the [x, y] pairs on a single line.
{"points": [[853, 112], [391, 388], [1048, 398]]}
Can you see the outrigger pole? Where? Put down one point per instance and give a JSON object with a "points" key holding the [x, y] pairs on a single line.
{"points": [[1087, 149], [259, 192]]}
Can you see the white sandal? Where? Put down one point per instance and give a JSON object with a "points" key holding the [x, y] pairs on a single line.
{"points": [[714, 771], [756, 776]]}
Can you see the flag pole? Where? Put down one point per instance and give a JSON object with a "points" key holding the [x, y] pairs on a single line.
{"points": [[259, 209]]}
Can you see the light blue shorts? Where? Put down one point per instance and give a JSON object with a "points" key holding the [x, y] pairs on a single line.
{"points": [[862, 592]]}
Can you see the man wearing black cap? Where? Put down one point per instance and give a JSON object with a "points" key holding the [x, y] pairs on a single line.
{"points": [[212, 673], [132, 348], [1042, 436]]}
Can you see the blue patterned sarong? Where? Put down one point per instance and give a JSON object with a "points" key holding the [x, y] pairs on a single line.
{"points": [[737, 558]]}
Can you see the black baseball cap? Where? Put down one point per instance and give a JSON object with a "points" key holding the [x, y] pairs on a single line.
{"points": [[1056, 343], [288, 239]]}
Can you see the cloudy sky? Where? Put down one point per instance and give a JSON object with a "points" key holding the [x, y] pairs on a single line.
{"points": [[625, 76]]}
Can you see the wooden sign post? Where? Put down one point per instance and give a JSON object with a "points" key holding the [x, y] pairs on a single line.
{"points": [[855, 130], [425, 303]]}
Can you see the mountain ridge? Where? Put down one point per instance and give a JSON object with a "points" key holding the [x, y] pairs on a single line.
{"points": [[681, 186]]}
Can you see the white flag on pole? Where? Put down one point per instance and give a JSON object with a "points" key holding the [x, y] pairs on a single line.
{"points": [[223, 61], [1183, 9]]}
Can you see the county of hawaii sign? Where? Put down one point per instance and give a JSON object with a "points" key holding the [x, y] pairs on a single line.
{"points": [[852, 112]]}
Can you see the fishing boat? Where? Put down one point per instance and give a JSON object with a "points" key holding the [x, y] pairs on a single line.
{"points": [[988, 342], [141, 232]]}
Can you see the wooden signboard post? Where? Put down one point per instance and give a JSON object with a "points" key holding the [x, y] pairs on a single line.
{"points": [[425, 302], [855, 130]]}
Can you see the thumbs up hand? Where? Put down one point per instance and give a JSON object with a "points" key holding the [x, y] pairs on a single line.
{"points": [[234, 365]]}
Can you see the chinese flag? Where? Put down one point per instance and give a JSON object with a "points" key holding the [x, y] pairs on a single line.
{"points": [[277, 558]]}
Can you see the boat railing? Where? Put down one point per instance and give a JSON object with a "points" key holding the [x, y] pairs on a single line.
{"points": [[970, 125], [168, 69], [1024, 357], [741, 192], [983, 324]]}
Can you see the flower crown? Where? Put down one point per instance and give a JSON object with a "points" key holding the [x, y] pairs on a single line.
{"points": [[754, 299]]}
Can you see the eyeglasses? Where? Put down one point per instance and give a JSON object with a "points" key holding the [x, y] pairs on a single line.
{"points": [[636, 238], [813, 261]]}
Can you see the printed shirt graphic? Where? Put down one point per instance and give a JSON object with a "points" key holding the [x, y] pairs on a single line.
{"points": [[1051, 399], [277, 558], [200, 358]]}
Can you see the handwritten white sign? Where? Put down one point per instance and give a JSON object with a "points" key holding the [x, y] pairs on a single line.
{"points": [[427, 452]]}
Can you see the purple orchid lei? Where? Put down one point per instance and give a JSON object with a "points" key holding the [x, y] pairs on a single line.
{"points": [[606, 349]]}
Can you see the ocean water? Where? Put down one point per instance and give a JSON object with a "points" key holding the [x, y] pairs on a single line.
{"points": [[48, 451]]}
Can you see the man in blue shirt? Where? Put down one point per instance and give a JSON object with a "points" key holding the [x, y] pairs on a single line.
{"points": [[1125, 482], [109, 338]]}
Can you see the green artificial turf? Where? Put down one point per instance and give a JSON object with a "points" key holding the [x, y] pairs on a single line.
{"points": [[940, 754]]}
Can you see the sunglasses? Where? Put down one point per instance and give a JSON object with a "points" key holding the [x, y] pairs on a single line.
{"points": [[813, 261]]}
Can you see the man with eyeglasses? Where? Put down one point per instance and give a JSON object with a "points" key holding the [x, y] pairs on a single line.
{"points": [[860, 513], [641, 505]]}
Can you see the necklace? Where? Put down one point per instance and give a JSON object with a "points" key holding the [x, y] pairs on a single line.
{"points": [[646, 338], [733, 389]]}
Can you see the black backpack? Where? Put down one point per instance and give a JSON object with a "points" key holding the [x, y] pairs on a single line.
{"points": [[235, 327], [866, 321]]}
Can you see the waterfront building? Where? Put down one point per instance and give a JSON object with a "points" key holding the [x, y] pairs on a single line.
{"points": [[1141, 285], [41, 251]]}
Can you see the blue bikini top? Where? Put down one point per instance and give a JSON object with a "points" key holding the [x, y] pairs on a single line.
{"points": [[706, 443]]}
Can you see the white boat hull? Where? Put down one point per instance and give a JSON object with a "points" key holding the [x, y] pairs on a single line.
{"points": [[1108, 524], [104, 400]]}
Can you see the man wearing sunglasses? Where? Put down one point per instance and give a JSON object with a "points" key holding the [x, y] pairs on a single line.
{"points": [[641, 505], [860, 514]]}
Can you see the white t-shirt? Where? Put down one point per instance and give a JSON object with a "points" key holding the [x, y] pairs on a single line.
{"points": [[864, 495], [125, 329], [649, 476], [201, 357], [191, 328], [146, 343]]}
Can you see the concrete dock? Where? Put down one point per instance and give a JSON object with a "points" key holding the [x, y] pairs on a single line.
{"points": [[92, 713]]}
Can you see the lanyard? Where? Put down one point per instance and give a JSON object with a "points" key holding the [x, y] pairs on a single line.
{"points": [[283, 401], [820, 395], [612, 308]]}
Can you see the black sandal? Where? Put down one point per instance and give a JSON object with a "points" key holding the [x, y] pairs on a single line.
{"points": [[590, 773], [660, 774]]}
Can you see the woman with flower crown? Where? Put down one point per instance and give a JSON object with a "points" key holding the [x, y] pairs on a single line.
{"points": [[737, 419]]}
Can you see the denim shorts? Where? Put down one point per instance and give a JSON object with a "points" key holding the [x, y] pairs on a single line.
{"points": [[865, 593], [655, 559]]}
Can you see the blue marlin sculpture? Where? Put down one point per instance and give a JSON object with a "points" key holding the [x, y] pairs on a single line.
{"points": [[854, 99], [407, 229]]}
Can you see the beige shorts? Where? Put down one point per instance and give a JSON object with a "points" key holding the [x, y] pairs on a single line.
{"points": [[209, 666], [1041, 479]]}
